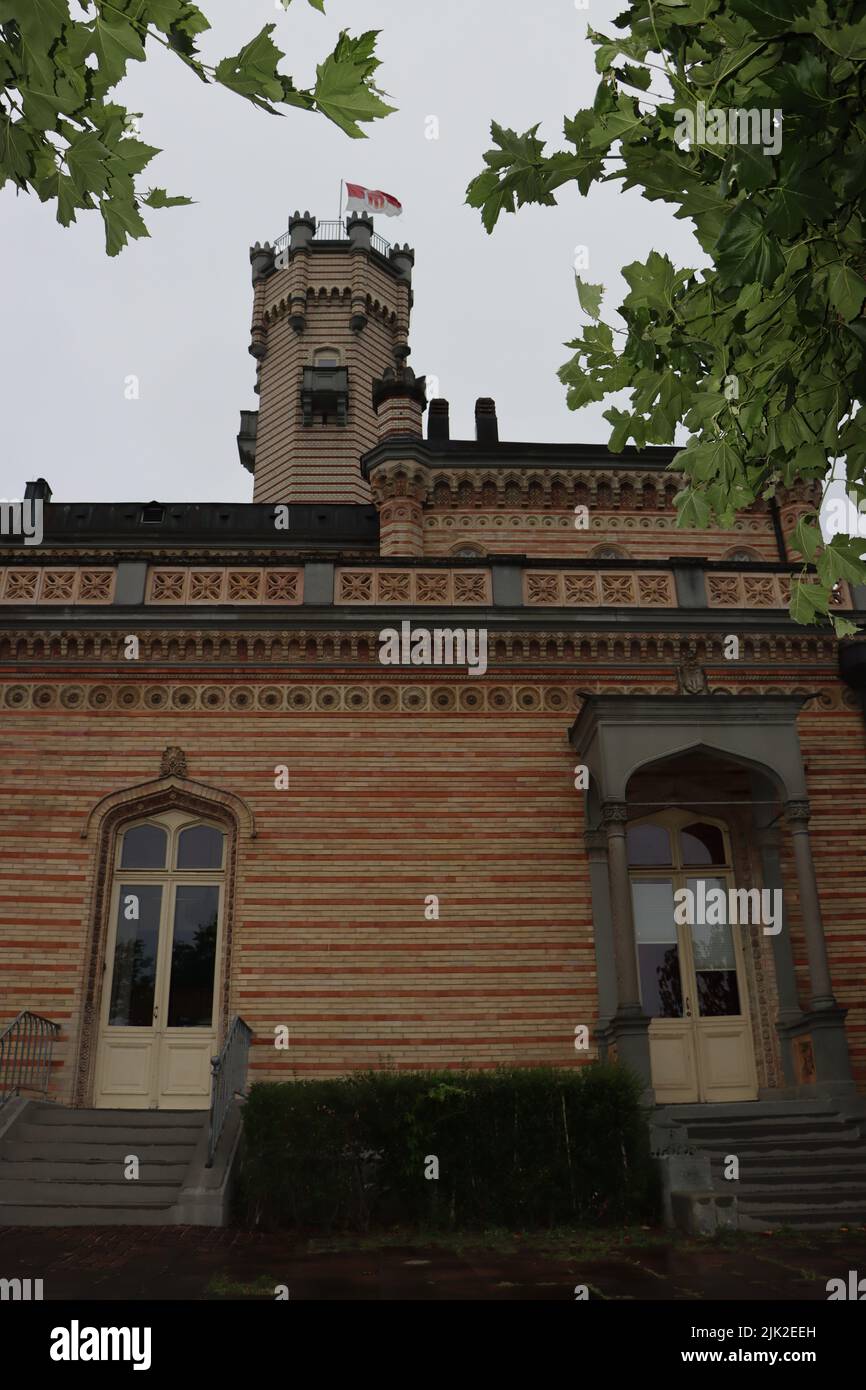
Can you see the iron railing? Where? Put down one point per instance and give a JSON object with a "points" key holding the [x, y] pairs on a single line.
{"points": [[228, 1079], [334, 231], [26, 1052]]}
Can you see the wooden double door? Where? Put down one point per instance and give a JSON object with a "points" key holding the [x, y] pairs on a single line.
{"points": [[692, 973], [159, 1009]]}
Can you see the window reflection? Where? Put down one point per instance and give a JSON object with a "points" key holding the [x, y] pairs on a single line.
{"points": [[144, 847], [193, 956], [648, 844], [135, 953], [702, 844], [200, 847]]}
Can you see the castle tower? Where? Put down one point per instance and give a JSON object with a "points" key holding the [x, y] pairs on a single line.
{"points": [[331, 308]]}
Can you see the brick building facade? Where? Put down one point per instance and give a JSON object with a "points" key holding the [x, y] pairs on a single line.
{"points": [[220, 802]]}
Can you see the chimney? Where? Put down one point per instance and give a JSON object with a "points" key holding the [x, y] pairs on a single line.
{"points": [[438, 424], [399, 402], [38, 490], [486, 424]]}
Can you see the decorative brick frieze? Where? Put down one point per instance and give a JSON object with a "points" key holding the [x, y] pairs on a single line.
{"points": [[760, 591], [561, 589], [416, 586], [500, 690], [791, 655], [43, 584], [218, 585]]}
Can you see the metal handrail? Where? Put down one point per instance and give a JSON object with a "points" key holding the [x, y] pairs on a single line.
{"points": [[334, 231], [228, 1079], [26, 1054]]}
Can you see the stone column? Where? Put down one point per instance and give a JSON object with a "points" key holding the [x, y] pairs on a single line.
{"points": [[614, 814], [605, 963], [824, 1023], [797, 815], [630, 1027]]}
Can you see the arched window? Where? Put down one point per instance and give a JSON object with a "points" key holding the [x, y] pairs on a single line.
{"points": [[744, 553], [609, 552], [469, 551], [326, 357], [159, 1011]]}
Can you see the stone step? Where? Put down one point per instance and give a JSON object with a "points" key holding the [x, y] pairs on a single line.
{"points": [[29, 1192], [703, 1111], [805, 1160], [784, 1143], [128, 1135], [815, 1218], [24, 1214], [54, 1116], [793, 1194], [818, 1126], [819, 1177], [151, 1173], [60, 1150]]}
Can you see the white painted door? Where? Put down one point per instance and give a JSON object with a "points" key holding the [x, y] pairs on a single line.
{"points": [[692, 976], [159, 1009]]}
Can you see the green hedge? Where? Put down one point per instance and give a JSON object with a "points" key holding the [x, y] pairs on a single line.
{"points": [[519, 1148]]}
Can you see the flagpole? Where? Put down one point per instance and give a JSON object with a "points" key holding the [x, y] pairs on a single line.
{"points": [[340, 204]]}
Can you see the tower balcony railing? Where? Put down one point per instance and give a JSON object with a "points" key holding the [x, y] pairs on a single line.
{"points": [[335, 231]]}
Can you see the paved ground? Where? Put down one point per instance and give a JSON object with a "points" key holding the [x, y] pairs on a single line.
{"points": [[186, 1262]]}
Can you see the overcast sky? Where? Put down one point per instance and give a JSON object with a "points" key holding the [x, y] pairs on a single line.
{"points": [[491, 312]]}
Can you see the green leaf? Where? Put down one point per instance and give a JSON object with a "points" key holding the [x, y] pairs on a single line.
{"points": [[693, 512], [253, 71], [122, 220], [844, 627], [158, 198], [39, 21], [846, 290], [344, 92], [745, 252], [86, 158], [801, 196], [808, 600], [115, 43], [806, 539], [654, 284], [589, 296]]}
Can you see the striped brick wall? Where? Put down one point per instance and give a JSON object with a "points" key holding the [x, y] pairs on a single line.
{"points": [[385, 807], [553, 534]]}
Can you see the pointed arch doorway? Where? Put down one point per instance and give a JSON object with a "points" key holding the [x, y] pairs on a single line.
{"points": [[692, 976], [158, 1022]]}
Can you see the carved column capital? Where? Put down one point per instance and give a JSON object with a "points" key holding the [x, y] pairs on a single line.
{"points": [[797, 812], [614, 814]]}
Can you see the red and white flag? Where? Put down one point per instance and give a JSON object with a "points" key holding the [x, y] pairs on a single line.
{"points": [[361, 199]]}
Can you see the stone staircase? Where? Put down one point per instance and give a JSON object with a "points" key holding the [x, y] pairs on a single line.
{"points": [[63, 1167], [802, 1163]]}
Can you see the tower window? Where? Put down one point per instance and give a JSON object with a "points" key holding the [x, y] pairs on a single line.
{"points": [[326, 357]]}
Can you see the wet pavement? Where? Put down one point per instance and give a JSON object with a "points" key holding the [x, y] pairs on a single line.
{"points": [[195, 1263]]}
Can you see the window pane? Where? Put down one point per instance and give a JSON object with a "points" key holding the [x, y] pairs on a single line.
{"points": [[718, 994], [200, 847], [711, 933], [135, 955], [653, 907], [648, 844], [193, 956], [702, 844], [661, 989], [144, 847]]}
